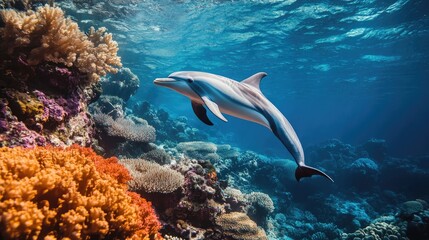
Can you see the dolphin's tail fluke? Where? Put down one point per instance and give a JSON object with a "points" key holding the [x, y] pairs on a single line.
{"points": [[306, 171]]}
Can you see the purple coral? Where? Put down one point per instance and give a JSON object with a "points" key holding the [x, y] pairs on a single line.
{"points": [[58, 77], [19, 135], [59, 108], [51, 108]]}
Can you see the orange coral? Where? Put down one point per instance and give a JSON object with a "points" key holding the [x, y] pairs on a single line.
{"points": [[59, 193], [147, 213], [110, 166]]}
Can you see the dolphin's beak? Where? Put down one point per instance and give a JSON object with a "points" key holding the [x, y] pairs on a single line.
{"points": [[164, 81]]}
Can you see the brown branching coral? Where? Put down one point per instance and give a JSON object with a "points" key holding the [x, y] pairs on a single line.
{"points": [[47, 35], [50, 193]]}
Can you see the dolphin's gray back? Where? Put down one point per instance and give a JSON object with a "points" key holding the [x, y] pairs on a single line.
{"points": [[247, 102], [277, 123]]}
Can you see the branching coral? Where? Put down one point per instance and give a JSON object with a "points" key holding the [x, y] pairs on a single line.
{"points": [[46, 35], [199, 150], [125, 128], [48, 192], [151, 177], [259, 207], [158, 155]]}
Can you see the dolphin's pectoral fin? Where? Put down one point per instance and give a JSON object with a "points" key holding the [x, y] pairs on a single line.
{"points": [[306, 171], [255, 79], [213, 107], [201, 113]]}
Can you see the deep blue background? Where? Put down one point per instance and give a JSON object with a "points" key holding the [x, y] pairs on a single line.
{"points": [[351, 70]]}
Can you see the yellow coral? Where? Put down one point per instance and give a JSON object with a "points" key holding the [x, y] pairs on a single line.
{"points": [[46, 35], [239, 226], [59, 193]]}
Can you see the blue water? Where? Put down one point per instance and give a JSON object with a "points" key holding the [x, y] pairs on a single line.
{"points": [[351, 70]]}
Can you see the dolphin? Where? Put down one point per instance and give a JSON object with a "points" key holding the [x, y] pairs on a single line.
{"points": [[239, 99]]}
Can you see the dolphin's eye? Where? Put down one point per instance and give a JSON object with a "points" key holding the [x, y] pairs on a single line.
{"points": [[190, 80]]}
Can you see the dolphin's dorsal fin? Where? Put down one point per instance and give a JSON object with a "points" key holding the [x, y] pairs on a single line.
{"points": [[201, 113], [255, 79], [213, 107]]}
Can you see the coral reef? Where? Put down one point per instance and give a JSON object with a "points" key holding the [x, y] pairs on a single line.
{"points": [[364, 169], [151, 177], [69, 193], [47, 36], [259, 207], [168, 129], [409, 208], [49, 71], [239, 226], [208, 151], [124, 137], [378, 230], [34, 118], [350, 214], [158, 155], [190, 212], [109, 105], [416, 215], [199, 150], [123, 84], [376, 149], [125, 129]]}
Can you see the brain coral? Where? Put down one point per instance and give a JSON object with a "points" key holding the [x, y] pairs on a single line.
{"points": [[377, 231], [50, 193], [46, 35]]}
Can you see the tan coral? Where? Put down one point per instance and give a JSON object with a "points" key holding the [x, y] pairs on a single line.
{"points": [[47, 35], [239, 226], [151, 177], [125, 128]]}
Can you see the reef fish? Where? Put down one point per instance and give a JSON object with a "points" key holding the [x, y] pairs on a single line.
{"points": [[242, 99]]}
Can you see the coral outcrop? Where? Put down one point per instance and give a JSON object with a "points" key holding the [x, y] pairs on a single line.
{"points": [[47, 36], [199, 150], [169, 129], [123, 84], [259, 207], [126, 129], [378, 230], [239, 226], [194, 200], [149, 177], [127, 137], [49, 192], [48, 74]]}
